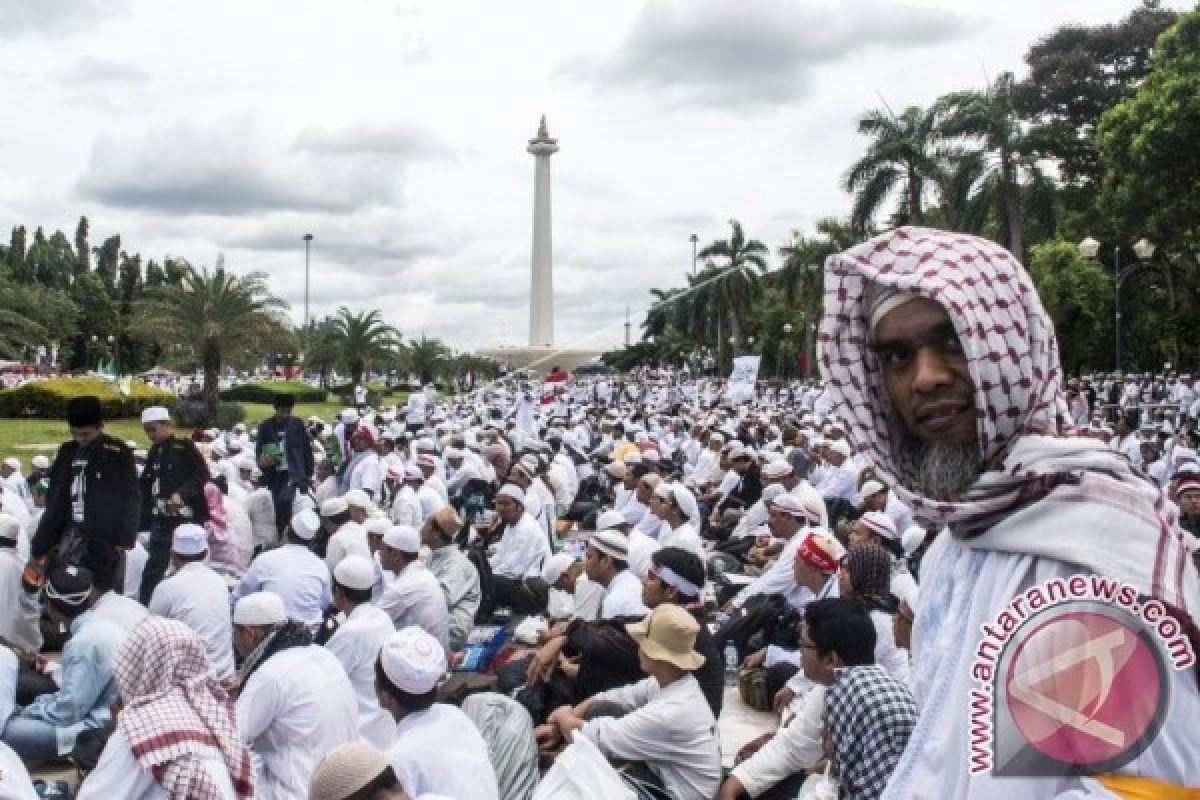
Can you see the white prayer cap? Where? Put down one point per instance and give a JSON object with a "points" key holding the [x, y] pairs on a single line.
{"points": [[555, 566], [40, 462], [842, 446], [454, 452], [513, 491], [355, 572], [377, 526], [245, 462], [772, 491], [189, 539], [349, 415], [426, 460], [13, 462], [305, 524], [776, 469], [334, 506], [10, 526], [632, 458], [871, 487], [682, 497], [357, 498], [413, 660], [259, 608], [912, 538], [609, 520], [155, 414], [413, 473], [611, 543], [403, 538], [881, 524], [793, 506]]}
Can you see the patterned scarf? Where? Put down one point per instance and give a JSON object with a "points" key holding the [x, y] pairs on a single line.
{"points": [[175, 711], [289, 633], [1033, 470]]}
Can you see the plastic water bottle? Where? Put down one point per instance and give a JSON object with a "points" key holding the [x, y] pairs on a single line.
{"points": [[731, 664]]}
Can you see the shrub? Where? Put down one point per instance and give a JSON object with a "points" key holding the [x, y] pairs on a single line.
{"points": [[190, 412], [265, 392], [49, 398]]}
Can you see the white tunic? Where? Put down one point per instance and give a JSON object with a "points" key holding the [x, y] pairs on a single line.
{"points": [[198, 597], [623, 597], [357, 643], [406, 508], [296, 707], [440, 751], [119, 773], [522, 549], [416, 598], [684, 537], [349, 540], [295, 574]]}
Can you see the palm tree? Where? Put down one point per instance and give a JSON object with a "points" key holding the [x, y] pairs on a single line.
{"points": [[1009, 181], [17, 331], [364, 338], [903, 157], [216, 313], [426, 358], [733, 286], [663, 312]]}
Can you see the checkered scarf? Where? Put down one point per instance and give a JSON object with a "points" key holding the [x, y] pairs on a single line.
{"points": [[175, 710], [1034, 473]]}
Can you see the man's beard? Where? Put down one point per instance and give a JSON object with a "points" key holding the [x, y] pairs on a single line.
{"points": [[942, 472]]}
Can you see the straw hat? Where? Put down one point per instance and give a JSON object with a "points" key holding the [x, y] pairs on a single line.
{"points": [[668, 633]]}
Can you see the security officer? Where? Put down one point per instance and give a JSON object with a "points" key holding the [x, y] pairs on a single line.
{"points": [[92, 506], [172, 493]]}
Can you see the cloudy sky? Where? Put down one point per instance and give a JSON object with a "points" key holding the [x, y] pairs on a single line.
{"points": [[394, 132]]}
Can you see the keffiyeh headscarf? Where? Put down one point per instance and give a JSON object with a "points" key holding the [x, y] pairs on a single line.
{"points": [[175, 710], [1034, 476]]}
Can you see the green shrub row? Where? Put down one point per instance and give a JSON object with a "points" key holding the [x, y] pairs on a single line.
{"points": [[265, 392], [49, 398]]}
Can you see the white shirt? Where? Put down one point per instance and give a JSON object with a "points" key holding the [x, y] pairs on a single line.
{"points": [[406, 508], [521, 549], [357, 643], [440, 751], [838, 481], [430, 499], [135, 563], [294, 573], [416, 598], [198, 597], [260, 508], [349, 540], [367, 474], [671, 729], [119, 773], [793, 748], [623, 597], [19, 620], [296, 707], [15, 783], [685, 537], [124, 612]]}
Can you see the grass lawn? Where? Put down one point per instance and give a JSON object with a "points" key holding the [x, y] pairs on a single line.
{"points": [[25, 438]]}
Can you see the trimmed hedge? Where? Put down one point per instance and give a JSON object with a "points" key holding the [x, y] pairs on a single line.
{"points": [[265, 392], [49, 398], [190, 412]]}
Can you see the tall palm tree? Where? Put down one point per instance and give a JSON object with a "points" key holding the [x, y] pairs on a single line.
{"points": [[902, 158], [1010, 182], [364, 338], [426, 358], [215, 313], [733, 281], [663, 312]]}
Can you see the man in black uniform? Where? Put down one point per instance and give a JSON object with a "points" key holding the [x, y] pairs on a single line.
{"points": [[285, 457], [172, 493], [92, 507]]}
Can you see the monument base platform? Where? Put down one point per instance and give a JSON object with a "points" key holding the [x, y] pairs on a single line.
{"points": [[539, 360]]}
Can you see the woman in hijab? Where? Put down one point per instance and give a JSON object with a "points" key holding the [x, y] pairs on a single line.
{"points": [[221, 545], [866, 576], [176, 734]]}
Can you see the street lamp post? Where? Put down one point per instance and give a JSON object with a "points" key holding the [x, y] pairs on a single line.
{"points": [[1144, 250], [694, 239], [308, 237]]}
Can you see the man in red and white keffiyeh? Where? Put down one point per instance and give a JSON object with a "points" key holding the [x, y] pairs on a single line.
{"points": [[177, 727], [939, 356]]}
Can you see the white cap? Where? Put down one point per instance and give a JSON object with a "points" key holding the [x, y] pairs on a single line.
{"points": [[355, 572], [682, 497], [334, 506], [413, 660], [155, 414], [912, 538], [259, 608], [305, 524], [413, 473], [40, 462], [12, 462], [843, 447], [513, 491], [880, 523], [403, 538], [349, 415], [555, 566], [356, 498], [245, 461], [609, 520], [871, 487], [776, 469], [189, 539], [377, 526], [454, 452]]}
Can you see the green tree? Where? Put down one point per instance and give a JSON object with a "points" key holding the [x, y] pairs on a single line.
{"points": [[426, 358], [62, 262], [17, 262], [364, 339], [83, 251], [107, 261], [154, 274], [733, 282], [216, 314], [97, 322], [18, 332], [323, 351], [902, 159], [39, 264], [1078, 295]]}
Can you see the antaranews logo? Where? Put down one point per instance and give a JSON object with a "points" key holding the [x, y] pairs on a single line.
{"points": [[1072, 678]]}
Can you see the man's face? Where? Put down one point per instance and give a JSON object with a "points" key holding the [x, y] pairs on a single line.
{"points": [[654, 591], [508, 508], [86, 434], [596, 565], [925, 373], [245, 637], [157, 431], [1189, 502], [283, 412], [780, 524], [876, 502], [644, 493], [816, 668], [391, 559], [359, 442], [741, 464]]}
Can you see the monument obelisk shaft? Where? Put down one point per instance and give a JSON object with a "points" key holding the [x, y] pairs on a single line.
{"points": [[541, 288]]}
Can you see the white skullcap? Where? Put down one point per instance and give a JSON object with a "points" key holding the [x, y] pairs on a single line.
{"points": [[155, 414], [334, 506], [683, 498], [611, 543], [454, 452], [513, 491], [632, 458], [413, 473], [349, 416], [245, 461], [772, 491], [377, 526], [555, 566], [13, 463], [880, 523], [305, 524], [609, 520], [912, 538], [189, 539], [346, 770], [355, 572], [871, 487], [40, 462], [776, 469], [356, 498], [841, 446], [413, 660], [259, 608], [403, 538]]}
